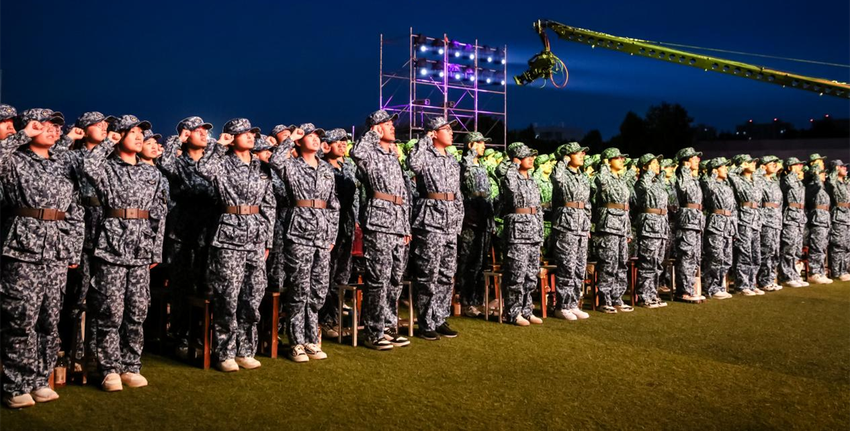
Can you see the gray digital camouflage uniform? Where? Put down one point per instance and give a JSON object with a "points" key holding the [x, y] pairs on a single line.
{"points": [[652, 232], [771, 227], [690, 223], [721, 228], [385, 223], [437, 221], [475, 237], [839, 234], [747, 243], [36, 253], [793, 223], [819, 222], [571, 210], [613, 229]]}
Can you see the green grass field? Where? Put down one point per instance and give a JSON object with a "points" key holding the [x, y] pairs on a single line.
{"points": [[772, 362]]}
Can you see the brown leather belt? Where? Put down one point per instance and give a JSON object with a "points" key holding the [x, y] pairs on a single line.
{"points": [[771, 205], [241, 209], [750, 205], [694, 206], [311, 203], [659, 211], [398, 200], [822, 207], [526, 210], [90, 201], [726, 213], [575, 204], [624, 207], [127, 213], [40, 213], [796, 205], [843, 204], [448, 196]]}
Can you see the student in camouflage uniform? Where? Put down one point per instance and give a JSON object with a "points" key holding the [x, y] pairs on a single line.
{"points": [[748, 192], [8, 113], [151, 149], [129, 244], [690, 223], [571, 226], [523, 234], [839, 236], [652, 229], [668, 166], [614, 185], [771, 227], [310, 231], [721, 228], [437, 222], [385, 222], [275, 262], [42, 237], [239, 244], [793, 222], [189, 222], [334, 146], [817, 204], [478, 226]]}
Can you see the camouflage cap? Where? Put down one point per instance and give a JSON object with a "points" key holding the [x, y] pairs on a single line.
{"points": [[687, 153], [335, 135], [521, 151], [791, 161], [192, 123], [309, 128], [668, 163], [489, 152], [148, 134], [703, 164], [281, 127], [612, 153], [742, 158], [570, 148], [261, 144], [816, 156], [93, 117], [648, 158], [380, 116], [834, 163], [770, 159], [439, 122], [591, 160], [718, 162], [127, 122], [7, 112], [40, 114], [541, 159], [475, 137], [238, 126]]}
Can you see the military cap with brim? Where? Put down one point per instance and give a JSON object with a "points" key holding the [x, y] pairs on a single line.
{"points": [[612, 153], [770, 159], [791, 161], [93, 117], [475, 137], [380, 116], [335, 135], [238, 126], [687, 153], [148, 134], [127, 122], [743, 158], [570, 148], [261, 144], [718, 162], [816, 156], [192, 123], [520, 151], [667, 163], [39, 114], [648, 158], [7, 112], [438, 123], [836, 163], [309, 128], [281, 127]]}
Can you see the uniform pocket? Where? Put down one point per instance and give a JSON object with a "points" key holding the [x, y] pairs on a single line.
{"points": [[231, 232]]}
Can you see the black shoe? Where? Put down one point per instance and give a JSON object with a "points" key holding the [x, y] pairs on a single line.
{"points": [[447, 332], [429, 335]]}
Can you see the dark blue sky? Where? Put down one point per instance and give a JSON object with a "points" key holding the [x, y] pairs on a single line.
{"points": [[283, 61]]}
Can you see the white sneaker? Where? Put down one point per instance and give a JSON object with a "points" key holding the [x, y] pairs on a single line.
{"points": [[134, 380], [112, 383], [652, 304], [747, 292], [624, 308], [565, 314], [520, 321], [844, 277], [804, 283], [758, 291], [579, 313], [794, 283], [297, 354], [721, 295], [44, 395], [248, 362], [18, 402], [228, 366], [768, 288], [471, 311], [314, 351], [776, 287], [819, 279], [535, 320]]}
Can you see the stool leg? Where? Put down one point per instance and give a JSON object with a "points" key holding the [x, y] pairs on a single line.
{"points": [[341, 300], [499, 300], [275, 319], [207, 336], [354, 321], [486, 298], [411, 309]]}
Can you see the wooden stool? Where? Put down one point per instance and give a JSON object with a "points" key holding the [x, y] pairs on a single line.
{"points": [[589, 287], [632, 280], [202, 328], [269, 320], [357, 290], [670, 266], [492, 278], [406, 284], [547, 286]]}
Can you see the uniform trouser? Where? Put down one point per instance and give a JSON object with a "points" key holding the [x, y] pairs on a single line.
{"points": [[393, 294], [238, 282], [120, 296], [307, 267], [839, 249], [818, 244], [791, 250], [73, 306], [613, 258], [571, 257], [669, 252], [434, 261], [186, 274], [277, 283], [688, 259], [340, 271], [769, 255], [650, 267], [522, 265], [747, 257], [473, 248], [30, 302], [385, 256], [717, 262]]}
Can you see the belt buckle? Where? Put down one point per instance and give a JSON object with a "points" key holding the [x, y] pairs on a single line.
{"points": [[243, 209], [397, 200], [313, 203], [131, 213]]}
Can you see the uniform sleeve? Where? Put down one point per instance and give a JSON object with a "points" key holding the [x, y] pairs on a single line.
{"points": [[168, 162], [362, 148], [333, 213], [159, 211], [62, 146], [94, 162], [8, 146], [280, 155], [211, 164], [417, 158], [268, 211], [73, 230]]}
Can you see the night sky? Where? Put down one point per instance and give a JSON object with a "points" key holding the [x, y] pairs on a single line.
{"points": [[317, 61]]}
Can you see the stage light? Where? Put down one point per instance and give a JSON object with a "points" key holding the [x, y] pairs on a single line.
{"points": [[423, 72], [472, 78], [423, 48], [457, 54], [472, 56], [442, 74], [457, 75], [441, 51], [488, 80], [489, 58], [503, 61], [503, 82]]}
